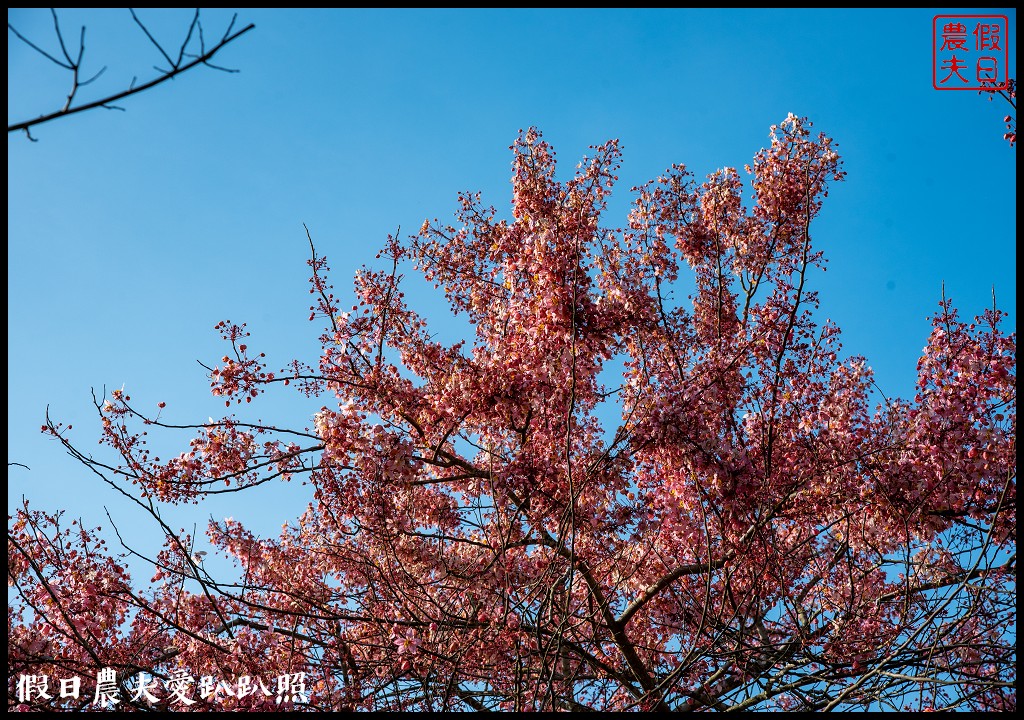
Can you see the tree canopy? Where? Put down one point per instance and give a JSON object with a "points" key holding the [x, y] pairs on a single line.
{"points": [[611, 496]]}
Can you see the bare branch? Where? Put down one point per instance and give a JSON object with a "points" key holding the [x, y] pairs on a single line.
{"points": [[152, 39], [175, 69], [39, 50]]}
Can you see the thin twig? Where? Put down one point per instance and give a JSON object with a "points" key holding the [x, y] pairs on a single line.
{"points": [[107, 102]]}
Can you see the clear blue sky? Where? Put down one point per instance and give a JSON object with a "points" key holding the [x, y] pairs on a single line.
{"points": [[131, 234]]}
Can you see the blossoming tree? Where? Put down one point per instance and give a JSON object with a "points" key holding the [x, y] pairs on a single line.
{"points": [[610, 496]]}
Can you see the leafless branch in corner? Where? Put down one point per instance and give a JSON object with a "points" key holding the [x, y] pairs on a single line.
{"points": [[184, 61]]}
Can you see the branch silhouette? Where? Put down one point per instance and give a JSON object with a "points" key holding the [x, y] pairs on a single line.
{"points": [[175, 67]]}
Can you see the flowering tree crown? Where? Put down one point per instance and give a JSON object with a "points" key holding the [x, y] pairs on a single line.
{"points": [[732, 523]]}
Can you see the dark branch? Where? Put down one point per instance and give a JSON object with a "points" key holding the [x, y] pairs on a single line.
{"points": [[175, 69]]}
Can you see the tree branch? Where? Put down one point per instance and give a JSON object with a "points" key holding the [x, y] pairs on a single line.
{"points": [[175, 70]]}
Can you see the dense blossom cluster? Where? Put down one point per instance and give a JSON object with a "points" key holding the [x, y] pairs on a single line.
{"points": [[611, 496]]}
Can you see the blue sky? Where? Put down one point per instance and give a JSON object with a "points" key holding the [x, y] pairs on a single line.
{"points": [[131, 234]]}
